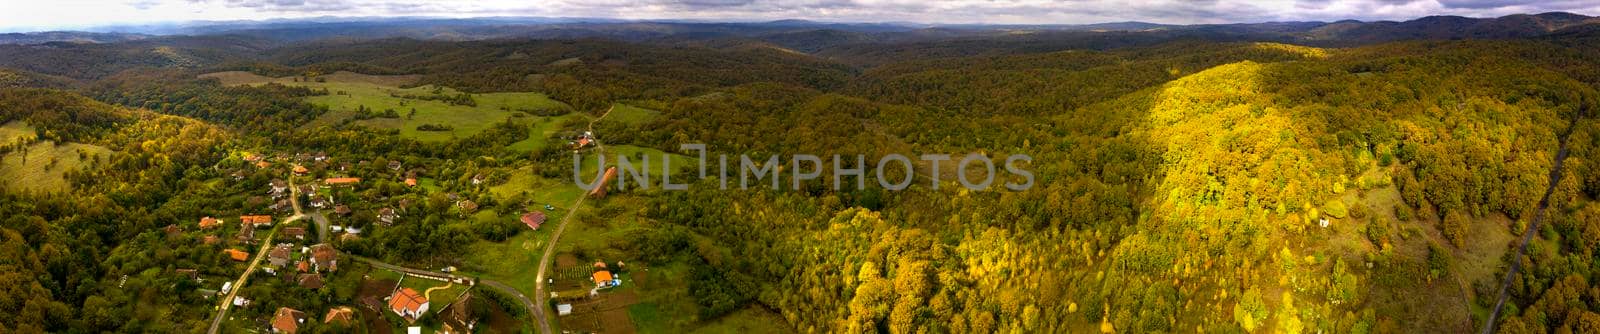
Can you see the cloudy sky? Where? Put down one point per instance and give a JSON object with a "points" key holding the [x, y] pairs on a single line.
{"points": [[28, 15]]}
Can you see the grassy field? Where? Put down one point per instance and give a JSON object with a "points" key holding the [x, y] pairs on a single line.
{"points": [[38, 173], [630, 114], [349, 92], [18, 129], [634, 154], [539, 133], [559, 193]]}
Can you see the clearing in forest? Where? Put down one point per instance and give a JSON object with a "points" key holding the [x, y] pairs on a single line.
{"points": [[46, 165], [426, 113]]}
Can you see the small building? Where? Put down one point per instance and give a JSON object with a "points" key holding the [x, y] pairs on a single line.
{"points": [[533, 219], [478, 179], [278, 187], [411, 182], [188, 273], [408, 304], [467, 206], [237, 255], [207, 222], [257, 220], [341, 181], [458, 318], [604, 279], [172, 230], [387, 216], [287, 320], [300, 170], [324, 257], [310, 281], [319, 202], [247, 234], [563, 309], [210, 240], [279, 255], [395, 165], [298, 233], [341, 209], [342, 315]]}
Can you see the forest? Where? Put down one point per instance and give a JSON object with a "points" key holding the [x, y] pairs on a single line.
{"points": [[1180, 182]]}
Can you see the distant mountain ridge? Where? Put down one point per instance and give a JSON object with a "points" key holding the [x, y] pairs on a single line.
{"points": [[811, 36]]}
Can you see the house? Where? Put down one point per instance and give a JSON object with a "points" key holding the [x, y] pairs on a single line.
{"points": [[478, 179], [303, 266], [319, 156], [310, 281], [467, 206], [533, 219], [603, 278], [302, 157], [281, 205], [252, 157], [207, 222], [237, 175], [172, 230], [210, 240], [257, 220], [411, 182], [319, 202], [394, 165], [324, 257], [308, 188], [341, 209], [247, 234], [408, 304], [278, 187], [341, 181], [342, 315], [190, 273], [279, 255], [237, 255], [295, 232], [387, 216], [300, 170], [287, 320], [263, 164], [458, 316], [240, 301]]}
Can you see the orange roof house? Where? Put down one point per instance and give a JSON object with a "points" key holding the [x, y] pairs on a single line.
{"points": [[533, 219], [603, 278], [298, 169], [411, 182], [343, 315], [208, 222], [408, 304], [255, 220], [324, 257], [287, 320], [263, 164], [237, 255], [334, 181]]}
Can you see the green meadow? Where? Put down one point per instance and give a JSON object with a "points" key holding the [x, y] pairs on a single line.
{"points": [[349, 94]]}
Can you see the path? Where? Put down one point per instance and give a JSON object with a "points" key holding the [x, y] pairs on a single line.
{"points": [[539, 294], [1533, 227], [227, 303]]}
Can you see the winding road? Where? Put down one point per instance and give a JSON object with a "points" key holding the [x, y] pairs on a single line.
{"points": [[539, 293]]}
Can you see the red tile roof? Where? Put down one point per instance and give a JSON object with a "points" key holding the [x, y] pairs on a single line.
{"points": [[208, 222], [533, 219], [287, 320], [407, 300], [257, 219], [237, 255]]}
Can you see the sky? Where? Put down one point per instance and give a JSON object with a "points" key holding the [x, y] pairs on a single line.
{"points": [[37, 15]]}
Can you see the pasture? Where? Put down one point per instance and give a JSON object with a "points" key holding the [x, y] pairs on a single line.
{"points": [[46, 165], [350, 95]]}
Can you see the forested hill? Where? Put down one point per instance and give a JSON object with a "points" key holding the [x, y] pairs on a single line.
{"points": [[1243, 181]]}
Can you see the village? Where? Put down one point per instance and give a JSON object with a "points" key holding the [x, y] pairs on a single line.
{"points": [[293, 233]]}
